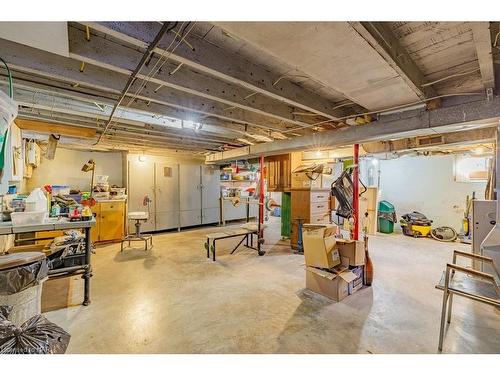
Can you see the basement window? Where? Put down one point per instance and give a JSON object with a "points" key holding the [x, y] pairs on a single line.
{"points": [[472, 168]]}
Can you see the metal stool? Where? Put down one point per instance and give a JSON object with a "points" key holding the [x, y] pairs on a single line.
{"points": [[137, 236]]}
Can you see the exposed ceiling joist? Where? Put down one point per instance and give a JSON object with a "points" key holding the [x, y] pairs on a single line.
{"points": [[464, 116], [483, 43], [68, 110], [215, 61], [35, 61], [473, 136], [153, 112], [382, 39], [51, 128], [108, 54]]}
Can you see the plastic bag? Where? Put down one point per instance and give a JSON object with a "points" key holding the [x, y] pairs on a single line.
{"points": [[15, 280], [37, 335]]}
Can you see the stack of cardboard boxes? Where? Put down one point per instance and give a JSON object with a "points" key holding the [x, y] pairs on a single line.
{"points": [[334, 267]]}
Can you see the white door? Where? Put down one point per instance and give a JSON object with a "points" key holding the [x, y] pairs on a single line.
{"points": [[190, 194], [210, 194], [141, 184], [167, 196]]}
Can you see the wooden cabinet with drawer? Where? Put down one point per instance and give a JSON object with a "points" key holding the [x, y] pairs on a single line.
{"points": [[110, 221], [278, 172], [313, 206]]}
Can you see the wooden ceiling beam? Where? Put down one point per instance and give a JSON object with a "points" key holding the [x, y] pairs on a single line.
{"points": [[58, 129]]}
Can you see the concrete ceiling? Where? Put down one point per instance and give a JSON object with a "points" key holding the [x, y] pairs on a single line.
{"points": [[218, 86], [332, 53]]}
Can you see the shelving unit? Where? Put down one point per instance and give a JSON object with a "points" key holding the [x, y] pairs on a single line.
{"points": [[228, 211]]}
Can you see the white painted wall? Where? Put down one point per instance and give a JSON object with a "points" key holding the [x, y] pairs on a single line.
{"points": [[426, 184], [66, 167], [47, 36]]}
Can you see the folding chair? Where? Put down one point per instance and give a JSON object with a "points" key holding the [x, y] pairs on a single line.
{"points": [[476, 285]]}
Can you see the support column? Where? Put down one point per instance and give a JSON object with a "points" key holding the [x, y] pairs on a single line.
{"points": [[355, 194]]}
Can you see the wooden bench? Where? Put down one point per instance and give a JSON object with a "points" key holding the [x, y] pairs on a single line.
{"points": [[247, 235]]}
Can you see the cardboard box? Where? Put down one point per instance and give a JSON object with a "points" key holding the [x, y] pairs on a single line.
{"points": [[357, 283], [352, 253], [319, 245], [329, 284], [62, 292]]}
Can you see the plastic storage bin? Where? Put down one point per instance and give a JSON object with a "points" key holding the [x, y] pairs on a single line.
{"points": [[28, 218], [386, 215]]}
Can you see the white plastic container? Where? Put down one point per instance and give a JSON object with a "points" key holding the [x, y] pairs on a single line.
{"points": [[28, 218], [37, 201]]}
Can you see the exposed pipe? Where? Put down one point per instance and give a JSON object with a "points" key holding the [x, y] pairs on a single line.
{"points": [[164, 29], [381, 111], [450, 76]]}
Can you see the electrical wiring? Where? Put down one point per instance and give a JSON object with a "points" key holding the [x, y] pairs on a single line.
{"points": [[9, 76], [450, 76], [132, 78], [155, 69], [402, 106], [289, 76], [149, 75], [495, 44]]}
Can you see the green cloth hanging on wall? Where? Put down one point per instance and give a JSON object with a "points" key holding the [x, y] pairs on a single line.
{"points": [[286, 214], [3, 139]]}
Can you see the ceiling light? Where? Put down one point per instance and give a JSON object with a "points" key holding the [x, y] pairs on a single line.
{"points": [[142, 158], [318, 153]]}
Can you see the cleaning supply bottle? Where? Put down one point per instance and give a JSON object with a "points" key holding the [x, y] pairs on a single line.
{"points": [[56, 210]]}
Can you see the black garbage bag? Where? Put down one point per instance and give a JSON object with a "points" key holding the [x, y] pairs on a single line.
{"points": [[389, 216], [35, 336], [17, 279]]}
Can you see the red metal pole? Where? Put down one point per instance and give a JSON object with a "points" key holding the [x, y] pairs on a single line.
{"points": [[355, 194], [261, 191]]}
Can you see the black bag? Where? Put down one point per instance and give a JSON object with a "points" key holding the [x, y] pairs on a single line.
{"points": [[35, 336]]}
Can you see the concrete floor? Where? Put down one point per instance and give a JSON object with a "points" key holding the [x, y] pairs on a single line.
{"points": [[173, 300]]}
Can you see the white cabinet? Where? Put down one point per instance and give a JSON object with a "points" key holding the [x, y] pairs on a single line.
{"points": [[141, 184], [166, 196], [234, 213], [210, 194], [182, 195], [190, 194]]}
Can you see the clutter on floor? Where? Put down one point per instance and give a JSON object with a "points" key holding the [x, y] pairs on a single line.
{"points": [[37, 335], [335, 267], [417, 225]]}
